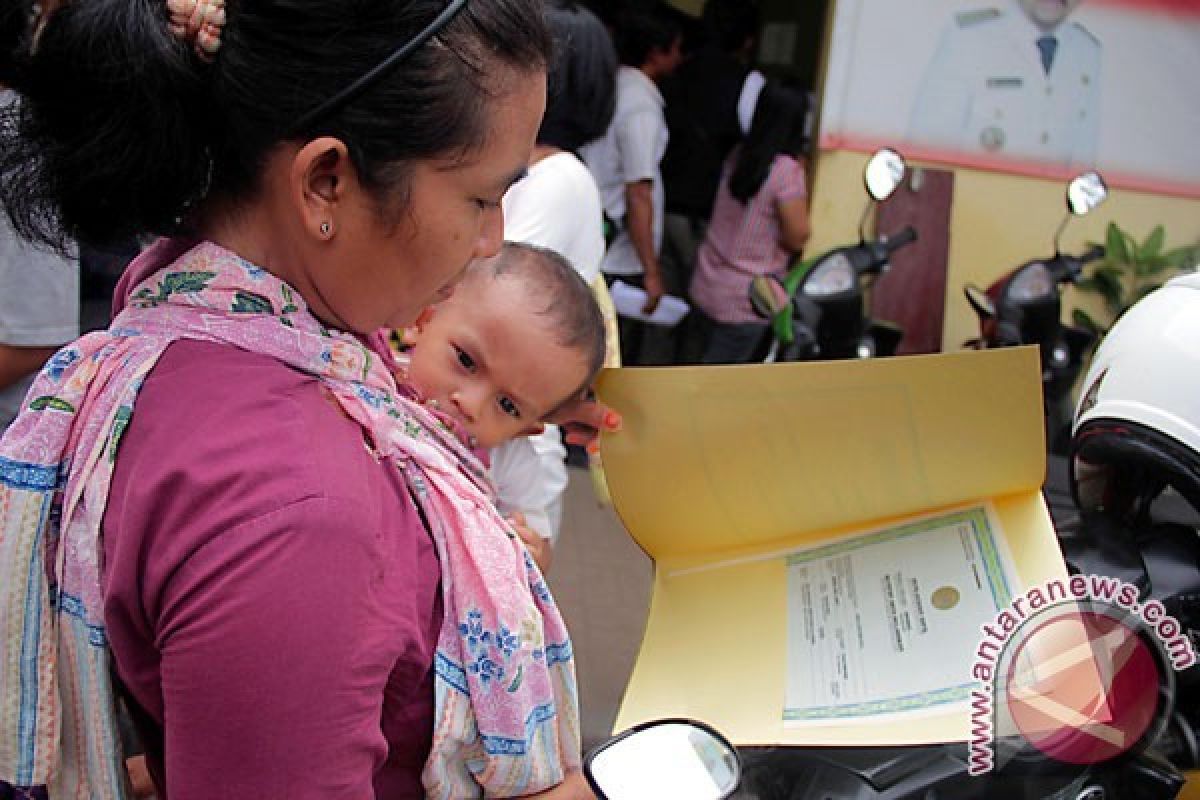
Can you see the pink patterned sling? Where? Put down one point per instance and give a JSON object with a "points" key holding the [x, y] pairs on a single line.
{"points": [[506, 704]]}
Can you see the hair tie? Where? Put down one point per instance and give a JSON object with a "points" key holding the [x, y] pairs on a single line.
{"points": [[198, 22]]}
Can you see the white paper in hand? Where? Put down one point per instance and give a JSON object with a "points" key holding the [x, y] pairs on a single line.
{"points": [[630, 300]]}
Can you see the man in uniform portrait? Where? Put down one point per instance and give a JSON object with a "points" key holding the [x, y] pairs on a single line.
{"points": [[1021, 82]]}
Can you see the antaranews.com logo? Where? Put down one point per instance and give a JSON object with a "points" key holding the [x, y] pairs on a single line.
{"points": [[1077, 670]]}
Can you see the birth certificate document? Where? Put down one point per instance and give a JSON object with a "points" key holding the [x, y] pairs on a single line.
{"points": [[888, 621]]}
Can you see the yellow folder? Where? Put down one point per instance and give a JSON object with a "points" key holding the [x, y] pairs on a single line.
{"points": [[720, 472]]}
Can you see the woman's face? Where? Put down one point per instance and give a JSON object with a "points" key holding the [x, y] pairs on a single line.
{"points": [[388, 267]]}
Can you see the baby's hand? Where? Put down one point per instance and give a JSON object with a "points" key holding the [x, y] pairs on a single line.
{"points": [[538, 547], [584, 418]]}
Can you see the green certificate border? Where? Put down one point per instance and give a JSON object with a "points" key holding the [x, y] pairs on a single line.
{"points": [[985, 543]]}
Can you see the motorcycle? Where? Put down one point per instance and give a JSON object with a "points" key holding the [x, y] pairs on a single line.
{"points": [[817, 309], [1025, 307], [688, 759]]}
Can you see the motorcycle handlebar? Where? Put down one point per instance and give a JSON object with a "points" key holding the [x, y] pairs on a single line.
{"points": [[907, 235], [1094, 253]]}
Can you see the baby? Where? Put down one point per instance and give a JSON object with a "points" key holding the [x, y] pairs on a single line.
{"points": [[520, 336]]}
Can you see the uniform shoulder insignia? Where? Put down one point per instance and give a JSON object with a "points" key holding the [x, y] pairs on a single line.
{"points": [[1091, 36], [966, 19]]}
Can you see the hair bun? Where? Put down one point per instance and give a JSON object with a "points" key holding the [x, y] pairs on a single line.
{"points": [[199, 23]]}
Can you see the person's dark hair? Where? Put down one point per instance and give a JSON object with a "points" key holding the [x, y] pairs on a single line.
{"points": [[582, 89], [15, 20], [573, 317], [776, 127], [641, 31], [731, 23], [124, 130]]}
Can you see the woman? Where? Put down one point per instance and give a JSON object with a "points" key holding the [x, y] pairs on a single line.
{"points": [[255, 541], [759, 221], [557, 206]]}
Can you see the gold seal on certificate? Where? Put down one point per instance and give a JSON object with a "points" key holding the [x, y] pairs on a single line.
{"points": [[944, 598]]}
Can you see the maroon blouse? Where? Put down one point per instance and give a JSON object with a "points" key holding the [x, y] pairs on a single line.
{"points": [[271, 594]]}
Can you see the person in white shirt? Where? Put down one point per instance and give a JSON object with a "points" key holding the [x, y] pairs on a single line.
{"points": [[625, 161], [39, 289]]}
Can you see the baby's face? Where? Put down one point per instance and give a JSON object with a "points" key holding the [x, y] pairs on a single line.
{"points": [[486, 358]]}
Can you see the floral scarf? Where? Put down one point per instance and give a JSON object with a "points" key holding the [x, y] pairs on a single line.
{"points": [[506, 709]]}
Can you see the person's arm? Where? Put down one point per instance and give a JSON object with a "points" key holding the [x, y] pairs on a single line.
{"points": [[793, 223], [636, 134], [639, 201], [789, 185], [537, 545], [261, 636], [19, 362]]}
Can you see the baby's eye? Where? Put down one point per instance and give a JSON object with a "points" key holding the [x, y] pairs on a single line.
{"points": [[464, 358], [509, 407]]}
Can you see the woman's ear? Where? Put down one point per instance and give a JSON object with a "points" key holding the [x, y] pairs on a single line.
{"points": [[321, 178]]}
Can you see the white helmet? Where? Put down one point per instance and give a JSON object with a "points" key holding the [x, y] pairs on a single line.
{"points": [[1137, 426]]}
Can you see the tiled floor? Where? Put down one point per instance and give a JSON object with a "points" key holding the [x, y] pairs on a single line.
{"points": [[601, 580]]}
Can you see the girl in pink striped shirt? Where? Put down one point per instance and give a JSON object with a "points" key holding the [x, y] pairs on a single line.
{"points": [[759, 221]]}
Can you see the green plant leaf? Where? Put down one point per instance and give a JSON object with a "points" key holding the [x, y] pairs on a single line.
{"points": [[1114, 244], [1183, 257], [1153, 244], [1156, 266], [51, 402], [1106, 282], [1085, 321]]}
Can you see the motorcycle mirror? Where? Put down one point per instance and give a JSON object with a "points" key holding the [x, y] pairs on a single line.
{"points": [[768, 296], [1085, 192], [665, 758], [884, 173]]}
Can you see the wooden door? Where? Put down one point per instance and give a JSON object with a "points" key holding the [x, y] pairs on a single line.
{"points": [[912, 294]]}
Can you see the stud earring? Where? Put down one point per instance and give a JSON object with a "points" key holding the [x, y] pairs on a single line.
{"points": [[433, 403], [326, 229]]}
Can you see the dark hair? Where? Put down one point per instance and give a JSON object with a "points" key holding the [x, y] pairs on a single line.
{"points": [[777, 127], [569, 307], [731, 22], [124, 129], [641, 31], [581, 92], [15, 19]]}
